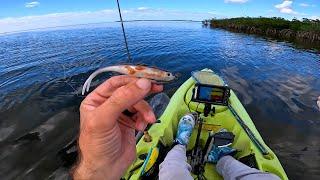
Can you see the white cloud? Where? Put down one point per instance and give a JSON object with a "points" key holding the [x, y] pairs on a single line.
{"points": [[32, 4], [304, 4], [11, 24], [286, 7], [315, 17], [213, 12], [142, 8], [236, 1], [307, 5]]}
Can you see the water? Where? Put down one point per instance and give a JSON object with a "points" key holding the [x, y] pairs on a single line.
{"points": [[42, 73]]}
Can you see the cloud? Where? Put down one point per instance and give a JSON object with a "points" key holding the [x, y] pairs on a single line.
{"points": [[236, 1], [32, 4], [286, 7], [307, 5], [315, 17], [142, 8], [214, 12], [12, 24], [304, 4]]}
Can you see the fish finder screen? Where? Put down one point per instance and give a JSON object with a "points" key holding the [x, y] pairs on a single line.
{"points": [[211, 94]]}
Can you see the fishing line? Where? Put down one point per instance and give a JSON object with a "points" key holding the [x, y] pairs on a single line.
{"points": [[124, 33], [126, 45], [65, 79]]}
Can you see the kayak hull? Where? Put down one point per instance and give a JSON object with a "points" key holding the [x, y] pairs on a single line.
{"points": [[163, 133]]}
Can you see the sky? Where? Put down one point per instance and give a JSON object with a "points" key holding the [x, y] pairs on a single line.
{"points": [[21, 15]]}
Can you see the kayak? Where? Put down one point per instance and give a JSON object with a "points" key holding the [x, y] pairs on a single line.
{"points": [[157, 141]]}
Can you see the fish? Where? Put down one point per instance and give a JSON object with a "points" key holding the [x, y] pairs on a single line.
{"points": [[140, 71]]}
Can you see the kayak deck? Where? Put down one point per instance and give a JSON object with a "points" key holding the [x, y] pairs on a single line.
{"points": [[163, 133]]}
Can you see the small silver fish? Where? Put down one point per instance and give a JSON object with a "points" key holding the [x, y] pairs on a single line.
{"points": [[132, 70]]}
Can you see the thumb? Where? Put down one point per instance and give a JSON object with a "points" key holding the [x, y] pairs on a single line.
{"points": [[123, 98]]}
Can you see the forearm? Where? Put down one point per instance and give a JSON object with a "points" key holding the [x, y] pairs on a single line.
{"points": [[96, 162], [91, 167], [84, 171], [81, 173], [88, 168]]}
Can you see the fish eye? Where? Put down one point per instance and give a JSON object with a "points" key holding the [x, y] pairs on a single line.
{"points": [[169, 74]]}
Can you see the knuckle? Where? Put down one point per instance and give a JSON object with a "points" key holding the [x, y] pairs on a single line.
{"points": [[125, 92], [147, 105], [82, 106], [109, 82], [143, 106], [114, 101], [90, 126], [114, 81], [114, 78], [122, 94], [87, 122]]}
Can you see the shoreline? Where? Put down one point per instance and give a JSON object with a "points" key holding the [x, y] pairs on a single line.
{"points": [[309, 38]]}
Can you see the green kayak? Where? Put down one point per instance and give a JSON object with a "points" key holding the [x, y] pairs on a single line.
{"points": [[249, 144]]}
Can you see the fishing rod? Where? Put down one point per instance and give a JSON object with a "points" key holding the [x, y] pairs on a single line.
{"points": [[124, 33], [260, 147]]}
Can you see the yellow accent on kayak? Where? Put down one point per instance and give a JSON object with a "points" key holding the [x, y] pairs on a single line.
{"points": [[163, 133], [150, 160]]}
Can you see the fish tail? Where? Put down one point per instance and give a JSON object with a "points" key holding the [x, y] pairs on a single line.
{"points": [[87, 83]]}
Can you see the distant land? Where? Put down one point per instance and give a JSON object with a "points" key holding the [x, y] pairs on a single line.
{"points": [[306, 31]]}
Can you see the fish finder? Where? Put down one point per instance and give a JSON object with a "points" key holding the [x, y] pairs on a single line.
{"points": [[211, 94]]}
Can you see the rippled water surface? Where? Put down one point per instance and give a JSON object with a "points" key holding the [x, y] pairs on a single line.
{"points": [[42, 73]]}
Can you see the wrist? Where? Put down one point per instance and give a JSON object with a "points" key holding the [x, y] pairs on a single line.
{"points": [[86, 171], [83, 171]]}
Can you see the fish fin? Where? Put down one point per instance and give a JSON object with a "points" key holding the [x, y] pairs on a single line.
{"points": [[159, 68], [142, 64]]}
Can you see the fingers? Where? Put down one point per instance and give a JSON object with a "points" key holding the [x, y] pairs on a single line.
{"points": [[122, 99], [158, 88], [113, 83], [105, 90], [102, 92], [127, 122], [144, 115]]}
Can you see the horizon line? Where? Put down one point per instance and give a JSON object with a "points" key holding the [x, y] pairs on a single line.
{"points": [[137, 20]]}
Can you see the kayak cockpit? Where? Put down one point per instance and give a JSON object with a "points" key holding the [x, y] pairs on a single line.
{"points": [[151, 154]]}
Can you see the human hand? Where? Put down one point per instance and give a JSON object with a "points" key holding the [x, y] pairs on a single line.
{"points": [[107, 137]]}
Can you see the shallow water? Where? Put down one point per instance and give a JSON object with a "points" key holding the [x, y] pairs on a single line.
{"points": [[42, 73]]}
